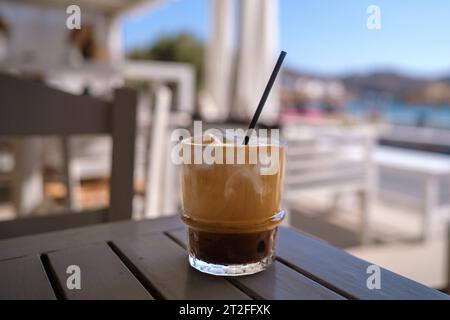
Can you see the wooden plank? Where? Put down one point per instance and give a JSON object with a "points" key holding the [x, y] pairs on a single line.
{"points": [[59, 221], [343, 272], [103, 275], [279, 282], [122, 168], [17, 247], [24, 279], [33, 108], [164, 266]]}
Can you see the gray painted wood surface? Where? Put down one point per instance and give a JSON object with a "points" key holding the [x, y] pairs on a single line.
{"points": [[102, 274], [141, 260], [24, 279], [278, 282]]}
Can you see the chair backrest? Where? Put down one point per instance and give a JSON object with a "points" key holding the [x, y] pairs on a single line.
{"points": [[31, 108], [323, 156]]}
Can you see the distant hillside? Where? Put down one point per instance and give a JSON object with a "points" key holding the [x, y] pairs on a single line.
{"points": [[388, 83], [407, 89], [446, 79], [412, 90]]}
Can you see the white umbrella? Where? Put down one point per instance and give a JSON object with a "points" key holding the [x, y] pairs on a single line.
{"points": [[256, 58], [215, 100]]}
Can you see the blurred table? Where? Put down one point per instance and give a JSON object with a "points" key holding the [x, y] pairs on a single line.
{"points": [[148, 260]]}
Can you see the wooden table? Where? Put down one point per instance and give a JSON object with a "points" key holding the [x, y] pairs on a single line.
{"points": [[148, 260]]}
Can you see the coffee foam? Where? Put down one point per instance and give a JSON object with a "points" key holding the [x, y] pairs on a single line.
{"points": [[229, 139]]}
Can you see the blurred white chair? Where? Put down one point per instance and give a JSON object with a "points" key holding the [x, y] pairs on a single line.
{"points": [[332, 160], [88, 157], [61, 113]]}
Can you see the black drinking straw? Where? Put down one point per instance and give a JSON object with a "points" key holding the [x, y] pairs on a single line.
{"points": [[265, 95]]}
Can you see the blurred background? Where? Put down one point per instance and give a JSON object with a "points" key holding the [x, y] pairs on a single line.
{"points": [[363, 101]]}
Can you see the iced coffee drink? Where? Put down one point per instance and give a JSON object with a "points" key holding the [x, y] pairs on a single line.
{"points": [[232, 207]]}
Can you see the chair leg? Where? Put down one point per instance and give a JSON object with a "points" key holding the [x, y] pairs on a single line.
{"points": [[288, 214], [155, 178], [365, 203], [71, 181], [448, 258], [170, 199], [337, 196], [27, 185], [431, 191]]}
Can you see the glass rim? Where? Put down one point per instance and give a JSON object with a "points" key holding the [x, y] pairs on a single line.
{"points": [[281, 143]]}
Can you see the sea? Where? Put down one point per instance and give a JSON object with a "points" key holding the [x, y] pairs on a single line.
{"points": [[402, 114]]}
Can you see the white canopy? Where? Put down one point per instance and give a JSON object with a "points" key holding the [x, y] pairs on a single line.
{"points": [[105, 6], [219, 53], [39, 36], [256, 59], [235, 89]]}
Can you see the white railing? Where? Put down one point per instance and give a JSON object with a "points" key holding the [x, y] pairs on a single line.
{"points": [[418, 135]]}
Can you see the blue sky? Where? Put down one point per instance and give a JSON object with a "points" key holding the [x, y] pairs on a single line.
{"points": [[328, 36]]}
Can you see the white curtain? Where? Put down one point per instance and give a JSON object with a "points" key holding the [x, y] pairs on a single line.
{"points": [[215, 100], [257, 55]]}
